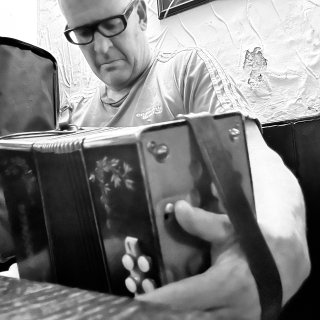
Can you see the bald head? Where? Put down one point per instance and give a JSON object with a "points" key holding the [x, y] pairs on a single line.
{"points": [[83, 7]]}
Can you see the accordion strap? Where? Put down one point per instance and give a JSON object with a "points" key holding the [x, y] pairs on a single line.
{"points": [[241, 214]]}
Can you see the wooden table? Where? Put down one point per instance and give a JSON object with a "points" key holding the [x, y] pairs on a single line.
{"points": [[27, 300]]}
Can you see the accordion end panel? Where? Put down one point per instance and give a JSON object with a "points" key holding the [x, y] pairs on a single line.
{"points": [[175, 172]]}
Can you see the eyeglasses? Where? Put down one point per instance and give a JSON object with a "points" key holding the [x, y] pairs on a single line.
{"points": [[109, 27]]}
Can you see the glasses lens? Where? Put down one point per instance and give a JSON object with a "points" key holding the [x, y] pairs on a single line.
{"points": [[81, 35], [111, 27]]}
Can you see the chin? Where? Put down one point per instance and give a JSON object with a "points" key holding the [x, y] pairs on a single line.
{"points": [[116, 82]]}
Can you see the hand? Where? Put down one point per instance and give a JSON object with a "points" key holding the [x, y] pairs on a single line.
{"points": [[227, 288]]}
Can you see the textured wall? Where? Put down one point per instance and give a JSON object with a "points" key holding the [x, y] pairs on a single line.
{"points": [[270, 47]]}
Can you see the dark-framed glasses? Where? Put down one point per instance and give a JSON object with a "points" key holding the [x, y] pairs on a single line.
{"points": [[109, 27]]}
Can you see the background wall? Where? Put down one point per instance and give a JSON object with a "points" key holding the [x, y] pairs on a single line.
{"points": [[19, 19], [270, 47]]}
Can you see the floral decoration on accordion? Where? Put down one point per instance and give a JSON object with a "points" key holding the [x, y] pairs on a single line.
{"points": [[18, 168], [112, 174], [14, 167]]}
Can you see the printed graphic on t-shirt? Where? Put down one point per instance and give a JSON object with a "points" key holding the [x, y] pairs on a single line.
{"points": [[150, 112]]}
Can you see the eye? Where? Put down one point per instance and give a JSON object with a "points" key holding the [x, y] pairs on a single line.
{"points": [[111, 26], [83, 33]]}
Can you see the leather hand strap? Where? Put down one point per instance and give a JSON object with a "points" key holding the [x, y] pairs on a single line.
{"points": [[241, 214]]}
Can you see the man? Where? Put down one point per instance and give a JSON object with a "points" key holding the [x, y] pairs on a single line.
{"points": [[142, 87]]}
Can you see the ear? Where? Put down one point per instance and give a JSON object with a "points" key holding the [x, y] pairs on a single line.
{"points": [[142, 13]]}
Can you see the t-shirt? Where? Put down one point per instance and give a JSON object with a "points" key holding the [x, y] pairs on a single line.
{"points": [[189, 80]]}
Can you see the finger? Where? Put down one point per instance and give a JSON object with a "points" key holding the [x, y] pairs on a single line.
{"points": [[214, 190], [189, 293], [206, 225], [215, 193], [227, 285]]}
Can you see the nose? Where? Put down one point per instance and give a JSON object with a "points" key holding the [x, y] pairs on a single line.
{"points": [[101, 43]]}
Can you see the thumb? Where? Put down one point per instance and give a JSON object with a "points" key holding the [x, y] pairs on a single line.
{"points": [[206, 225]]}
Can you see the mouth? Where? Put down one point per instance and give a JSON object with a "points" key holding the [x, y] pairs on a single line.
{"points": [[110, 62], [110, 65]]}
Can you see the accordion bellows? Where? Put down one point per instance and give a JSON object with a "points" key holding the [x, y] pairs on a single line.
{"points": [[93, 208]]}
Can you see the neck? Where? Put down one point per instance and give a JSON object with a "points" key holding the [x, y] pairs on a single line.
{"points": [[116, 94]]}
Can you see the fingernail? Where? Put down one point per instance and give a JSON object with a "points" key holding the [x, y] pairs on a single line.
{"points": [[169, 208]]}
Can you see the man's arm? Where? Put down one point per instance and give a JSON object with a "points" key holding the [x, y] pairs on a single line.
{"points": [[280, 212], [227, 288]]}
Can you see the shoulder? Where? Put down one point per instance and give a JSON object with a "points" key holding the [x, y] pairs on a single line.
{"points": [[75, 107], [188, 55], [193, 60], [186, 52], [201, 72]]}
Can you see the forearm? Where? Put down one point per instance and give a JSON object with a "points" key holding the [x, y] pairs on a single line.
{"points": [[280, 212]]}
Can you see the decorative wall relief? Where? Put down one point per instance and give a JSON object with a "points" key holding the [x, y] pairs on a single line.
{"points": [[256, 63]]}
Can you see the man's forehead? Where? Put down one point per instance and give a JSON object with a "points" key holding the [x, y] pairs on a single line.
{"points": [[85, 11]]}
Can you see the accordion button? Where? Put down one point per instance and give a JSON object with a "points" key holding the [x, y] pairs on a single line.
{"points": [[169, 208], [148, 285], [132, 284], [128, 262], [144, 263]]}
